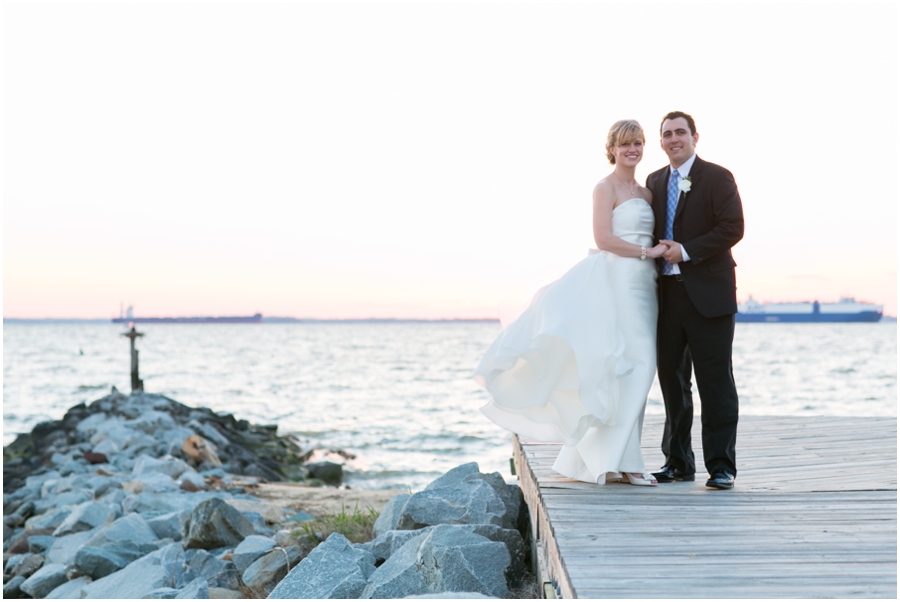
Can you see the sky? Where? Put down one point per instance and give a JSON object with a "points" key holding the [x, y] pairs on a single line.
{"points": [[422, 160]]}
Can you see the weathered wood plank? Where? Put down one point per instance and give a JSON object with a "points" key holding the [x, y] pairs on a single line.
{"points": [[813, 514]]}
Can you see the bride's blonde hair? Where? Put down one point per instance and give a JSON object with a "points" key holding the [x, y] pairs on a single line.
{"points": [[622, 131]]}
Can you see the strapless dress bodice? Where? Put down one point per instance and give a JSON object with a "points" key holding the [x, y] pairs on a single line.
{"points": [[633, 222]]}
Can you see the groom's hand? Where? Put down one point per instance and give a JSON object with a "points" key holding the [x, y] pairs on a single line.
{"points": [[657, 251], [673, 252]]}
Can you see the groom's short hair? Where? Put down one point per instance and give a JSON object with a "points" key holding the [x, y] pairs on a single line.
{"points": [[676, 115]]}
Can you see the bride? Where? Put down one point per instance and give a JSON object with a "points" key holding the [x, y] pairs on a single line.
{"points": [[577, 365]]}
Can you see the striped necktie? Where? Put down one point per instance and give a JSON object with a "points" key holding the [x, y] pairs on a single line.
{"points": [[670, 214]]}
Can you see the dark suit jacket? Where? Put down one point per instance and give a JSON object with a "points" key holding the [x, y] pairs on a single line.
{"points": [[709, 220]]}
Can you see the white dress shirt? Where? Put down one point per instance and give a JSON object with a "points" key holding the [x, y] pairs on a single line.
{"points": [[683, 172]]}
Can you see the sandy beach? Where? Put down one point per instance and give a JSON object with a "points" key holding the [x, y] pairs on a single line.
{"points": [[319, 501]]}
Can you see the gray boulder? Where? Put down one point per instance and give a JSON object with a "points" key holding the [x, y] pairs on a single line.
{"points": [[64, 548], [467, 502], [18, 543], [11, 561], [510, 494], [301, 517], [215, 524], [66, 499], [94, 481], [454, 476], [197, 563], [45, 580], [169, 525], [387, 520], [197, 589], [445, 559], [90, 424], [172, 467], [515, 546], [109, 484], [13, 588], [70, 590], [334, 569], [174, 438], [17, 507], [115, 546], [151, 420], [138, 578], [76, 466], [246, 503], [62, 459], [39, 544], [210, 432], [99, 562], [107, 447], [57, 486], [512, 497], [28, 565], [152, 482], [259, 523], [386, 545], [249, 550], [114, 497], [66, 492], [86, 516], [329, 472], [152, 504], [35, 483], [193, 477], [137, 404], [270, 568], [48, 520]]}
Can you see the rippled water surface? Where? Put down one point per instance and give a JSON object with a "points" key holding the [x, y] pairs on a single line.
{"points": [[399, 395]]}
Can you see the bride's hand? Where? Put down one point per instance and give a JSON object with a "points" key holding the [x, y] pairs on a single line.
{"points": [[657, 251]]}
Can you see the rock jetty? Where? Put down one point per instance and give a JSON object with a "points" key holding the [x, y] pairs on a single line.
{"points": [[461, 535], [140, 496]]}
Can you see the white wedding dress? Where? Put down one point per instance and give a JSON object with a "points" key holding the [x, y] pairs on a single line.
{"points": [[577, 365]]}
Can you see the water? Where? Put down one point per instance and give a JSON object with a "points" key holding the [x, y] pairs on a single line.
{"points": [[399, 395]]}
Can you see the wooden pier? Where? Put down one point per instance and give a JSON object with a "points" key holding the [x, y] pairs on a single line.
{"points": [[813, 515]]}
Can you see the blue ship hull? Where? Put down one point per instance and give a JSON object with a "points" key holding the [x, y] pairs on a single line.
{"points": [[864, 316]]}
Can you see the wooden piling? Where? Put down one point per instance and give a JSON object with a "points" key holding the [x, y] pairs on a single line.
{"points": [[136, 383]]}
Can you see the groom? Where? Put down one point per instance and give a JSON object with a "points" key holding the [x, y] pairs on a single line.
{"points": [[699, 218]]}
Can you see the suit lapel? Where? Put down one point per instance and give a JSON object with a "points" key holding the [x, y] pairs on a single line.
{"points": [[696, 168], [660, 201]]}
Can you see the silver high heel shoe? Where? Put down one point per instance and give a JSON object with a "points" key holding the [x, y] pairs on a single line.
{"points": [[645, 480]]}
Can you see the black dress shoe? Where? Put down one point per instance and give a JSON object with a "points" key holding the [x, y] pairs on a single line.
{"points": [[720, 480], [668, 474]]}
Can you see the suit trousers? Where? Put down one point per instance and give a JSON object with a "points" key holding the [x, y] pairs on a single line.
{"points": [[686, 339]]}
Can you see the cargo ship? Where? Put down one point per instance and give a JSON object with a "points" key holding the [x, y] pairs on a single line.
{"points": [[847, 309], [128, 317]]}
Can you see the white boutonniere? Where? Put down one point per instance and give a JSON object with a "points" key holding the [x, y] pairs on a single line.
{"points": [[685, 185]]}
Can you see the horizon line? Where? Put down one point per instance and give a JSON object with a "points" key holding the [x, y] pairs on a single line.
{"points": [[276, 319], [289, 319]]}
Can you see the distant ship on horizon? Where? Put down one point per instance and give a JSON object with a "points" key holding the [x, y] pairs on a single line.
{"points": [[847, 309], [129, 316]]}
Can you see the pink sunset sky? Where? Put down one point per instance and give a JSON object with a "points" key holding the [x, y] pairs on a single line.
{"points": [[422, 161]]}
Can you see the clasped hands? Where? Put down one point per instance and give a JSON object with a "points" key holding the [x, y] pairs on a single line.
{"points": [[668, 250]]}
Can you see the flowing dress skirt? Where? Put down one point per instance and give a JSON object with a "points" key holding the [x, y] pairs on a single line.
{"points": [[577, 365]]}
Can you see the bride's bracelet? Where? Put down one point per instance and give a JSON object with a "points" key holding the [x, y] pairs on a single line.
{"points": [[643, 252]]}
